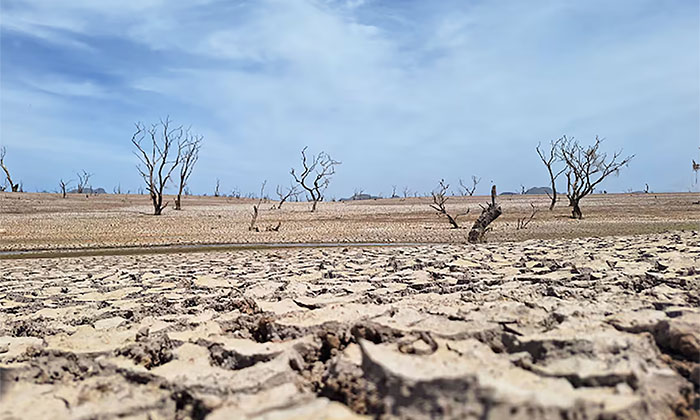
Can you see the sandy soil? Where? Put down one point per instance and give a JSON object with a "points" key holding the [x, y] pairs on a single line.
{"points": [[541, 329], [45, 221]]}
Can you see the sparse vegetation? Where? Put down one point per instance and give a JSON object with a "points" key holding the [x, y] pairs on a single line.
{"points": [[63, 185], [469, 190], [439, 204], [550, 159], [586, 167], [190, 145], [315, 175], [159, 157], [285, 194], [83, 181], [256, 209], [13, 187], [524, 221]]}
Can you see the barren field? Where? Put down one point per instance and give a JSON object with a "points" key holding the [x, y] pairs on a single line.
{"points": [[601, 323], [45, 221]]}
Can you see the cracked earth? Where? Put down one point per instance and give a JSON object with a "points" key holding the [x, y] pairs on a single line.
{"points": [[597, 328]]}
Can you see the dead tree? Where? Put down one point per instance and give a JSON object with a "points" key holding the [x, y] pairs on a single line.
{"points": [[696, 168], [488, 215], [216, 189], [64, 186], [469, 190], [587, 167], [83, 181], [13, 187], [549, 160], [286, 194], [315, 176], [159, 157], [524, 221], [406, 192], [393, 192], [256, 209], [189, 146], [440, 200]]}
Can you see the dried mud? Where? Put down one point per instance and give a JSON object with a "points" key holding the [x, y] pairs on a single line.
{"points": [[597, 328]]}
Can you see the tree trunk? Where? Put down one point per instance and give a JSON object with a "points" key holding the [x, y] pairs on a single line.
{"points": [[488, 215], [576, 211], [554, 196], [313, 206], [177, 202], [157, 209]]}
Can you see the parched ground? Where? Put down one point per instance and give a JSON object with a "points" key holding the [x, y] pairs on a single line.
{"points": [[46, 221], [596, 328]]}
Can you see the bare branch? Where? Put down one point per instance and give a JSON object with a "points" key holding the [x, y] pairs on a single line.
{"points": [[523, 222], [189, 146], [586, 167], [286, 194], [440, 200], [83, 181], [13, 187], [469, 190], [158, 158], [256, 209], [315, 175]]}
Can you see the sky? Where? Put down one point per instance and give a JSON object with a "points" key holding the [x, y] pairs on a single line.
{"points": [[402, 92]]}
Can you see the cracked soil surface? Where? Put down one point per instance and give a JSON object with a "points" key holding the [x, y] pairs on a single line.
{"points": [[597, 328]]}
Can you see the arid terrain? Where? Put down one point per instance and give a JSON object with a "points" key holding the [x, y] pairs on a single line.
{"points": [[590, 319], [46, 221]]}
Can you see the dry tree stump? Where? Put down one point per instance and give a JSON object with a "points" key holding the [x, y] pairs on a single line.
{"points": [[488, 215]]}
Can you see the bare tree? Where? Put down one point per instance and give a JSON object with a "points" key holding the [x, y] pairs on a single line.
{"points": [[315, 176], [524, 221], [64, 186], [83, 181], [13, 187], [469, 190], [696, 168], [159, 158], [587, 167], [549, 160], [189, 147], [117, 190], [256, 208], [406, 192], [488, 214], [440, 200], [393, 192], [286, 194], [216, 189]]}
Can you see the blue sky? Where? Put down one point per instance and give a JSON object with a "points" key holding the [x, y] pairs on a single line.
{"points": [[402, 92]]}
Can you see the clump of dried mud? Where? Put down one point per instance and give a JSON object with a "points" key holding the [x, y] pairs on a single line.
{"points": [[589, 328]]}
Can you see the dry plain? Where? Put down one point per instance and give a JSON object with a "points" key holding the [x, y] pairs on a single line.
{"points": [[590, 319]]}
